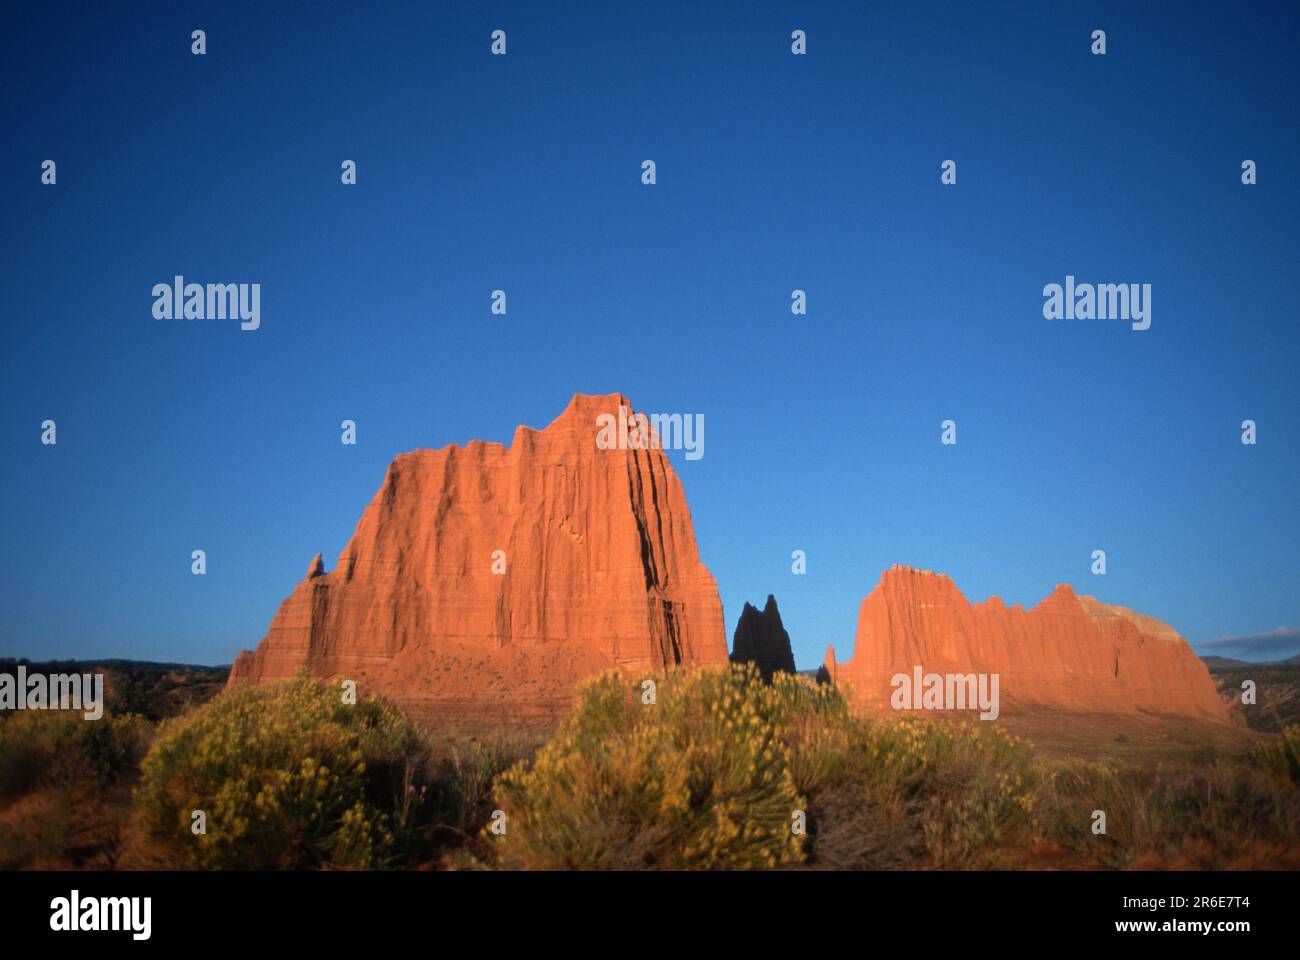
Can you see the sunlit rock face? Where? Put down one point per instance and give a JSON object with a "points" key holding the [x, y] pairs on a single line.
{"points": [[489, 580], [1068, 653]]}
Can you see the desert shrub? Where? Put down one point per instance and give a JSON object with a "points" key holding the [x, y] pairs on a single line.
{"points": [[80, 771], [38, 842], [460, 789], [288, 776], [816, 728], [700, 779], [912, 792], [61, 749], [978, 783], [107, 751], [711, 775], [26, 753], [1281, 756]]}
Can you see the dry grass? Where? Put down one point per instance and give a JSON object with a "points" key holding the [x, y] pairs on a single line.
{"points": [[710, 777]]}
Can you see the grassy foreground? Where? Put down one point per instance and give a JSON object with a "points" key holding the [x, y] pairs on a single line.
{"points": [[704, 770]]}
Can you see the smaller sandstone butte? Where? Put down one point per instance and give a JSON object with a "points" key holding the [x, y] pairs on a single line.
{"points": [[1068, 653], [760, 639]]}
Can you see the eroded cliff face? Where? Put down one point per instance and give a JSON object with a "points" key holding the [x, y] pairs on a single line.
{"points": [[489, 580], [761, 639], [1069, 653]]}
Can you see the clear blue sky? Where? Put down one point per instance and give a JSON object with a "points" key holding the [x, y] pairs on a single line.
{"points": [[775, 172]]}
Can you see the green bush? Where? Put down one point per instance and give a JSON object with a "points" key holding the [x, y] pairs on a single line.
{"points": [[288, 776], [700, 779]]}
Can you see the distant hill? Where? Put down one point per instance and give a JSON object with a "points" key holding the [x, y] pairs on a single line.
{"points": [[1223, 663], [1217, 664]]}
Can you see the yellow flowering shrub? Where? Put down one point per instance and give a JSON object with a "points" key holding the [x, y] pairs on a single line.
{"points": [[287, 775], [976, 783], [914, 792], [700, 779]]}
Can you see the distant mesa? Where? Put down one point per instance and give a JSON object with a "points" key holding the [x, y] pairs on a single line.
{"points": [[761, 639], [490, 580], [1068, 653]]}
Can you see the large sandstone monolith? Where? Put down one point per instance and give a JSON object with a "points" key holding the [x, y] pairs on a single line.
{"points": [[485, 581], [760, 639], [1068, 653]]}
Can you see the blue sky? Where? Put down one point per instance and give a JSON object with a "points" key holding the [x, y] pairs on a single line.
{"points": [[775, 172]]}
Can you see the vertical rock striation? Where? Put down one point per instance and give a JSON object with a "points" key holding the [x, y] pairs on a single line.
{"points": [[488, 579]]}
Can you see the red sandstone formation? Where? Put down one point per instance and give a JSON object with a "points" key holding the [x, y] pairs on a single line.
{"points": [[597, 568], [1069, 653], [760, 638]]}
